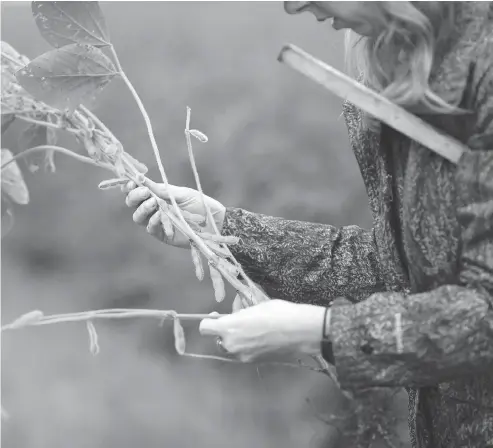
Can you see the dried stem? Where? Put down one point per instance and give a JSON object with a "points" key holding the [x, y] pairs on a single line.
{"points": [[257, 363], [115, 313], [59, 149], [250, 298], [184, 227], [43, 123], [36, 318]]}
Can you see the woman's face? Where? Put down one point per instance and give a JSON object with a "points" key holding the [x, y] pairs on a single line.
{"points": [[361, 17]]}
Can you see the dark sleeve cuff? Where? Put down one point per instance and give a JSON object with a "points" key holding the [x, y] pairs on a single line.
{"points": [[327, 351]]}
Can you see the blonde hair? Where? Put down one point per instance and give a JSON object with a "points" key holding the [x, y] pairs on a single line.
{"points": [[398, 61]]}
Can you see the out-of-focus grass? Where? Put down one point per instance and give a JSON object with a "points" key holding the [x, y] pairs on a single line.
{"points": [[276, 146]]}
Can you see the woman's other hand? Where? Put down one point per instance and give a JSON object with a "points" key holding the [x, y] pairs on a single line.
{"points": [[146, 212], [272, 327]]}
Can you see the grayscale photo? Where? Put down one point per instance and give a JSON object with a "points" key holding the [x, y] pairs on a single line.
{"points": [[246, 224]]}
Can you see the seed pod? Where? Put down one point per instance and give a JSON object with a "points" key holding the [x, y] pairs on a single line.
{"points": [[258, 295], [217, 249], [179, 333], [27, 319], [200, 136], [112, 183], [232, 269], [217, 283], [93, 338], [138, 165], [237, 303], [220, 238], [169, 231], [197, 262]]}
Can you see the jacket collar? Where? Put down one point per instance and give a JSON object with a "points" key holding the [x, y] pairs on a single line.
{"points": [[449, 78]]}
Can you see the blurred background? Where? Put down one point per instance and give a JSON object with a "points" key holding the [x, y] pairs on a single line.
{"points": [[277, 145]]}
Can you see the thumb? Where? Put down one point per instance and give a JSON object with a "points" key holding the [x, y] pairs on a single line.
{"points": [[210, 326], [181, 194]]}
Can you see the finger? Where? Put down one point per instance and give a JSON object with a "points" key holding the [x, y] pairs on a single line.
{"points": [[129, 186], [155, 228], [144, 211], [211, 327], [137, 196], [180, 194]]}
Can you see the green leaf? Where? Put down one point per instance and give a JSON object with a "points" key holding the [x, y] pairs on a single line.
{"points": [[64, 23], [65, 77], [13, 185]]}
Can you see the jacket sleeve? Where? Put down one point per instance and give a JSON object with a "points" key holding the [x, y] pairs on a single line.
{"points": [[304, 262], [423, 339]]}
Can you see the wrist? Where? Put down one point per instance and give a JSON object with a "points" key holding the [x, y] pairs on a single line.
{"points": [[311, 318]]}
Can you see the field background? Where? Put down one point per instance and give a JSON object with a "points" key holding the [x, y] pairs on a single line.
{"points": [[277, 145]]}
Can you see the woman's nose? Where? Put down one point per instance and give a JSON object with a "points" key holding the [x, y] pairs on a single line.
{"points": [[295, 7]]}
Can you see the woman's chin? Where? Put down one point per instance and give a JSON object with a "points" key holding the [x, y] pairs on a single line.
{"points": [[338, 24], [362, 29]]}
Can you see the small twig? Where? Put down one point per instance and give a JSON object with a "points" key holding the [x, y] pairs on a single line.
{"points": [[256, 363], [65, 151], [45, 123], [36, 318], [7, 56], [191, 156], [96, 120], [184, 227], [115, 313]]}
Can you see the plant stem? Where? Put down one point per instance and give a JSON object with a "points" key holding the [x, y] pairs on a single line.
{"points": [[65, 151], [45, 123], [123, 313], [270, 363], [207, 210], [191, 156], [96, 120], [150, 132], [116, 313], [184, 227]]}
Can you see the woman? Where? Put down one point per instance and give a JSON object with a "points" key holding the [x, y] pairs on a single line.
{"points": [[421, 281]]}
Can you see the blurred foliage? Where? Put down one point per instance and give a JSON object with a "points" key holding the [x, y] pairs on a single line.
{"points": [[277, 145]]}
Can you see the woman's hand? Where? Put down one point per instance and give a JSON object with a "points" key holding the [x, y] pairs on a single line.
{"points": [[271, 327], [147, 214]]}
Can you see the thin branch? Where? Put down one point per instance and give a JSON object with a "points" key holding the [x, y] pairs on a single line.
{"points": [[178, 219], [36, 318], [207, 208], [59, 149], [115, 313], [262, 363], [45, 123], [7, 56]]}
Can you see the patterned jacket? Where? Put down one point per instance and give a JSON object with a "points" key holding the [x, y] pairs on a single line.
{"points": [[420, 281]]}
